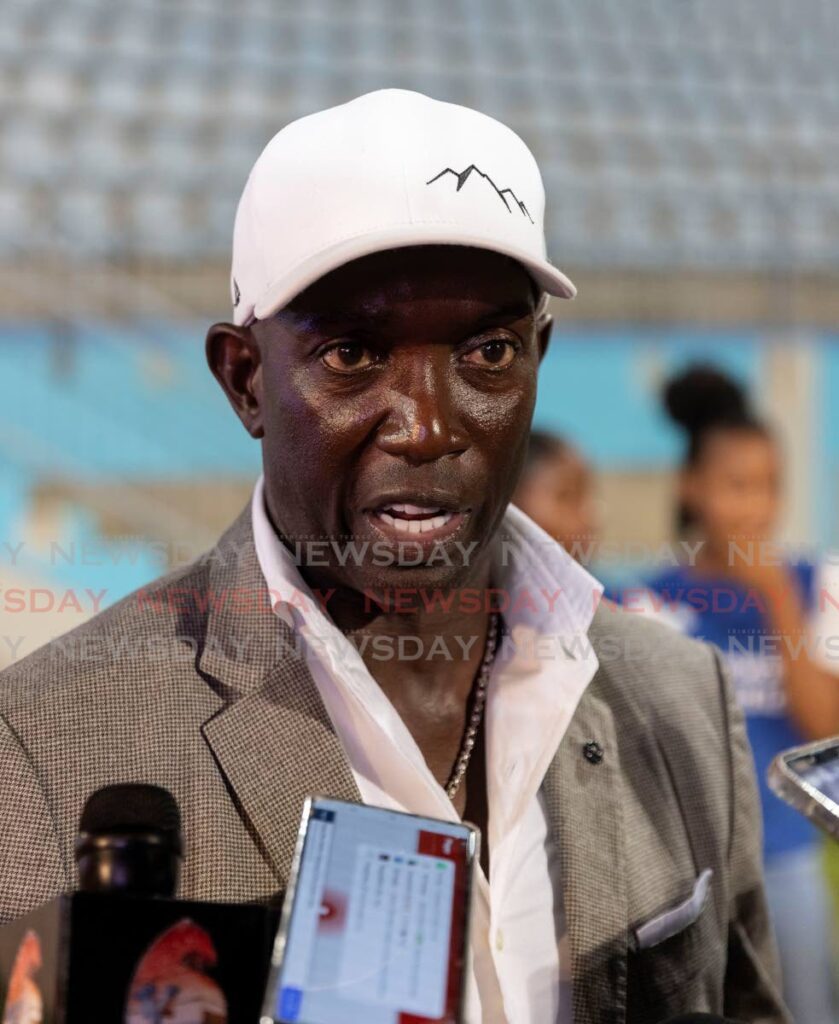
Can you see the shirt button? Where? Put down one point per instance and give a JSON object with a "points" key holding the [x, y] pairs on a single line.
{"points": [[499, 940]]}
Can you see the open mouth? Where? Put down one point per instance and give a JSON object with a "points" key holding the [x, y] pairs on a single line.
{"points": [[413, 519], [422, 523]]}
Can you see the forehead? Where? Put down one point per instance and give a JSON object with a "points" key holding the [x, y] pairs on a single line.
{"points": [[444, 280], [740, 448]]}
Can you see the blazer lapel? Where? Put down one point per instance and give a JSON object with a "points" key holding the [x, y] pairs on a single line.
{"points": [[272, 737], [584, 803]]}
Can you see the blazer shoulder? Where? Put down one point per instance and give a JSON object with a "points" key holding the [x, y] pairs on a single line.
{"points": [[167, 608]]}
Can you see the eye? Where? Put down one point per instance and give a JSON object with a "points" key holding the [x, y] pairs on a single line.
{"points": [[348, 357], [495, 354]]}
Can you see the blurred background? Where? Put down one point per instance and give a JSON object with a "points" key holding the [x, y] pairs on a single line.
{"points": [[690, 152]]}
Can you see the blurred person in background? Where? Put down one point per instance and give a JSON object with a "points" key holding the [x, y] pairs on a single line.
{"points": [[556, 490], [742, 595]]}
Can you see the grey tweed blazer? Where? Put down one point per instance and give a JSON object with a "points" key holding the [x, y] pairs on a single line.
{"points": [[194, 684]]}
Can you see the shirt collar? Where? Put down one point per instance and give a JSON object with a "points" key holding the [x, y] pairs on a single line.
{"points": [[545, 587]]}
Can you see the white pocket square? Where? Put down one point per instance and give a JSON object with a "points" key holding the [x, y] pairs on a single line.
{"points": [[677, 918]]}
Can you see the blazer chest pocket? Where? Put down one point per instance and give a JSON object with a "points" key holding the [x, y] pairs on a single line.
{"points": [[679, 954]]}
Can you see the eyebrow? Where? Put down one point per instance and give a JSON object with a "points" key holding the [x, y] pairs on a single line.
{"points": [[513, 311], [323, 322]]}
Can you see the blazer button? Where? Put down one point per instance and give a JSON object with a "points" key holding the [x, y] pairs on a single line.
{"points": [[593, 752]]}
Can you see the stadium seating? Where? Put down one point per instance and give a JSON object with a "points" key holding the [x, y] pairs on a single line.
{"points": [[670, 133]]}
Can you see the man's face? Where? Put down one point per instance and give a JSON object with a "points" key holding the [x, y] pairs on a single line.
{"points": [[394, 399]]}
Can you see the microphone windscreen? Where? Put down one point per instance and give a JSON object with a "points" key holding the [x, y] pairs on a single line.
{"points": [[132, 807]]}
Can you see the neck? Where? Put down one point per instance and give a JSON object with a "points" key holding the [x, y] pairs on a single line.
{"points": [[420, 643], [424, 610]]}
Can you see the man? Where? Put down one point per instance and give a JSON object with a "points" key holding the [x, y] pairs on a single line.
{"points": [[388, 287]]}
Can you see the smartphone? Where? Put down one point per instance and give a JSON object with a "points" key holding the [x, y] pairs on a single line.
{"points": [[808, 778], [374, 926]]}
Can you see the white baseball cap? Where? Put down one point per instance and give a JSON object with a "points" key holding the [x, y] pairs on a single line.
{"points": [[389, 169]]}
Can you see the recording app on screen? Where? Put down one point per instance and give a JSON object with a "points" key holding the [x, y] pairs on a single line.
{"points": [[376, 932]]}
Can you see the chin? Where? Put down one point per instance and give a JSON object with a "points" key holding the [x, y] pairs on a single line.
{"points": [[412, 578]]}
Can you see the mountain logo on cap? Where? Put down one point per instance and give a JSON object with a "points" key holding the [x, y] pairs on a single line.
{"points": [[463, 176]]}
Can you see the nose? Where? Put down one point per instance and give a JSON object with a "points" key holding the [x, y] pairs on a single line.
{"points": [[423, 423]]}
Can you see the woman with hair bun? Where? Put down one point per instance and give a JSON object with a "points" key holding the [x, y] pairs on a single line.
{"points": [[757, 608]]}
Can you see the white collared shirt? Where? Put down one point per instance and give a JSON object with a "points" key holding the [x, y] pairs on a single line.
{"points": [[519, 968]]}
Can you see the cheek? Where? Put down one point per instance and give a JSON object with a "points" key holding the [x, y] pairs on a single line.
{"points": [[774, 505], [311, 429], [499, 427], [718, 505], [727, 512], [561, 517], [502, 415]]}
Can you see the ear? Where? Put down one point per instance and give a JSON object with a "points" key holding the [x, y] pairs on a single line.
{"points": [[543, 330], [235, 360]]}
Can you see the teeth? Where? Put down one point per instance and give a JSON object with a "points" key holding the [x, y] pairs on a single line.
{"points": [[413, 510], [414, 526], [438, 521]]}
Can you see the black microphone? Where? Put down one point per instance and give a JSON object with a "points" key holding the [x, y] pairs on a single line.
{"points": [[129, 841]]}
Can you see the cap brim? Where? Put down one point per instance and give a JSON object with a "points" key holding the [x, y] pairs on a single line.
{"points": [[303, 274]]}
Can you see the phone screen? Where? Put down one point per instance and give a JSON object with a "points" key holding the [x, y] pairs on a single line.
{"points": [[820, 769], [377, 926]]}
